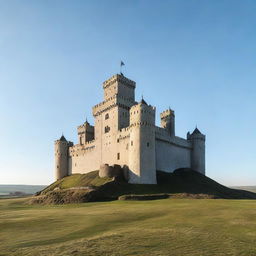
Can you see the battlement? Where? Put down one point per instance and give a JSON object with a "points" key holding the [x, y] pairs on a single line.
{"points": [[87, 125], [141, 124], [124, 130], [142, 114], [143, 109], [166, 113], [78, 149], [68, 143], [112, 102], [162, 134], [119, 78], [123, 133]]}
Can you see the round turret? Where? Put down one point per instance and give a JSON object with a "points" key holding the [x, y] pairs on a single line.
{"points": [[198, 151], [142, 159], [61, 157]]}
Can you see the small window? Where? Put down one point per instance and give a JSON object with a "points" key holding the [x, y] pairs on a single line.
{"points": [[107, 129], [147, 144], [106, 116], [80, 140], [118, 156], [131, 143], [117, 140]]}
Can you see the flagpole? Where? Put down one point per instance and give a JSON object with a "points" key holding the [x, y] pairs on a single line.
{"points": [[121, 64]]}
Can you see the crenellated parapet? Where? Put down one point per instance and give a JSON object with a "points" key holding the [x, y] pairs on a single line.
{"points": [[78, 149], [119, 79], [142, 114], [166, 113], [112, 102], [123, 134], [142, 124], [163, 135], [119, 85], [168, 121]]}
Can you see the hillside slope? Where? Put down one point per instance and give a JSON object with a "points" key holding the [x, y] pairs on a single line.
{"points": [[182, 183]]}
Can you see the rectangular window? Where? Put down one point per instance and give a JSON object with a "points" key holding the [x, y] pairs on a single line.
{"points": [[131, 143], [147, 144], [107, 129], [118, 156]]}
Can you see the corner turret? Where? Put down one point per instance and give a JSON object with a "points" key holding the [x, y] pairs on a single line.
{"points": [[61, 147], [168, 121], [198, 150]]}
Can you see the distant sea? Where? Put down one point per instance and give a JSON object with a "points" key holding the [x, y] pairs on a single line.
{"points": [[27, 189]]}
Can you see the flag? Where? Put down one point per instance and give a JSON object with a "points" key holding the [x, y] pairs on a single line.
{"points": [[122, 64]]}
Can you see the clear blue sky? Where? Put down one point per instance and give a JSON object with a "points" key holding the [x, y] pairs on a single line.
{"points": [[198, 57]]}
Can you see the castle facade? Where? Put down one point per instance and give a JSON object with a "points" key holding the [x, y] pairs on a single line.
{"points": [[125, 133]]}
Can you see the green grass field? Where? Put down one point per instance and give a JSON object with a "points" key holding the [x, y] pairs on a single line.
{"points": [[161, 227]]}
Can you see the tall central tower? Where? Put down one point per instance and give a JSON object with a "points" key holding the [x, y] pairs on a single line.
{"points": [[112, 114]]}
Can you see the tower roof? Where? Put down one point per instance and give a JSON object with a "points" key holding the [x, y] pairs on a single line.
{"points": [[196, 131], [143, 101], [62, 138]]}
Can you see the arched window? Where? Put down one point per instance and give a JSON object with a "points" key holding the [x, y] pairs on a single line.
{"points": [[106, 116]]}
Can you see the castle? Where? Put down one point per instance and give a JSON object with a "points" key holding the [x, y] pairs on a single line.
{"points": [[125, 134]]}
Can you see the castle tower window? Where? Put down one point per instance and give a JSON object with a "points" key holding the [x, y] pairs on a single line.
{"points": [[118, 156], [106, 116], [80, 140], [147, 144], [107, 129], [131, 143]]}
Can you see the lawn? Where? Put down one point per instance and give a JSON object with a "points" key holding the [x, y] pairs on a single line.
{"points": [[161, 227]]}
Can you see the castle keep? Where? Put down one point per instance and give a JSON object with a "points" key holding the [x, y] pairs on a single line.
{"points": [[125, 134]]}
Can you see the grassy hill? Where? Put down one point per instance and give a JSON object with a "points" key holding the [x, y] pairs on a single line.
{"points": [[144, 228], [183, 183]]}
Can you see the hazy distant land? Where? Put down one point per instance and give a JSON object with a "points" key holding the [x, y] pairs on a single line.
{"points": [[248, 188], [16, 190]]}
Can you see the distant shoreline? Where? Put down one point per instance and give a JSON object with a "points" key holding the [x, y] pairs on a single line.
{"points": [[11, 191]]}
